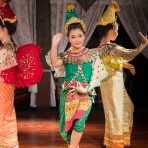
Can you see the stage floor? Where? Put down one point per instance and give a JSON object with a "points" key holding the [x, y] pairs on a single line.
{"points": [[39, 129]]}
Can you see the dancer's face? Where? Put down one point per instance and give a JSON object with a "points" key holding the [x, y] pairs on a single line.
{"points": [[114, 32], [112, 35], [76, 38]]}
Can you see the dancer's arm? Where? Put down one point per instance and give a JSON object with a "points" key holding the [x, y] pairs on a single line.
{"points": [[130, 67], [129, 54], [55, 60]]}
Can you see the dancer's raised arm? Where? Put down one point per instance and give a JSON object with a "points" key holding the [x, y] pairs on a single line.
{"points": [[55, 61]]}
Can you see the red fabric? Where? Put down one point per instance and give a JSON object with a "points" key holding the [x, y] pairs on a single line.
{"points": [[9, 18], [29, 70], [9, 75], [6, 12], [68, 124]]}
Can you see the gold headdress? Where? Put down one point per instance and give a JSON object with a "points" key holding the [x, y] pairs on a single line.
{"points": [[72, 18], [109, 16]]}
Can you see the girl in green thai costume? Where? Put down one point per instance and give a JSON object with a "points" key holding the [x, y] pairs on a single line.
{"points": [[77, 63], [75, 102]]}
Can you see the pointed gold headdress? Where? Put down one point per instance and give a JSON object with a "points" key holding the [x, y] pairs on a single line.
{"points": [[109, 16], [72, 18]]}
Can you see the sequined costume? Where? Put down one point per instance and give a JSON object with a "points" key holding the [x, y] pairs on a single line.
{"points": [[21, 69], [8, 127], [117, 104], [75, 106]]}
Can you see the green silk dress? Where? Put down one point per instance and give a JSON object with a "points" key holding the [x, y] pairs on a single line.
{"points": [[74, 106]]}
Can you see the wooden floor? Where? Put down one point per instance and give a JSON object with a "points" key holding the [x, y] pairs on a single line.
{"points": [[39, 129]]}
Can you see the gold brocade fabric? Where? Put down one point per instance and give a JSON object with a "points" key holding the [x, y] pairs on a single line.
{"points": [[118, 111], [8, 126], [113, 64], [84, 56], [7, 59], [116, 50], [74, 103]]}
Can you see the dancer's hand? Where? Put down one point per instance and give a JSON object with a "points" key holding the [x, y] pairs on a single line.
{"points": [[130, 67], [56, 39], [144, 38], [55, 61], [81, 89]]}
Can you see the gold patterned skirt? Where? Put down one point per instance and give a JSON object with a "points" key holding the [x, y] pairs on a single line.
{"points": [[118, 110], [8, 125]]}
